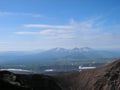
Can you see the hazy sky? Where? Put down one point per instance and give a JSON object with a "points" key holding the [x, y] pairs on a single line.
{"points": [[44, 24]]}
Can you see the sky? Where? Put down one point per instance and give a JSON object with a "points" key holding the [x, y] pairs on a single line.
{"points": [[44, 24]]}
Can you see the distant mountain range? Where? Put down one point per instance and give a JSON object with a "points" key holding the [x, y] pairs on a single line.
{"points": [[57, 55]]}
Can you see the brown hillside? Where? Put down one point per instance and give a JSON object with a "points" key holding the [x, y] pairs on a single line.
{"points": [[106, 77]]}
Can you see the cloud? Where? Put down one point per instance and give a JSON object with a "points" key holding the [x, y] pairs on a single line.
{"points": [[45, 32], [74, 30], [51, 33], [28, 33], [49, 26], [73, 25], [20, 14], [92, 32]]}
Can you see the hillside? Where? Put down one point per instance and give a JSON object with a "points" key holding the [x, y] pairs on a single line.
{"points": [[106, 77], [11, 81]]}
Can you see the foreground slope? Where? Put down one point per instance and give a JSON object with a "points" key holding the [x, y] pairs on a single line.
{"points": [[106, 77], [11, 81]]}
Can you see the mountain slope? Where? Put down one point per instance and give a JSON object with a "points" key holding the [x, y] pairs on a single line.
{"points": [[103, 78], [11, 81], [106, 77]]}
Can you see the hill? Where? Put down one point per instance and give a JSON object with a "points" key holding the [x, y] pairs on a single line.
{"points": [[106, 77], [11, 81]]}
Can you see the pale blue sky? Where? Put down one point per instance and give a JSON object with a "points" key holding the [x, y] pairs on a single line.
{"points": [[44, 24]]}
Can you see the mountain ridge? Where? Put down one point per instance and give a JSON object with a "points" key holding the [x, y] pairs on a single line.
{"points": [[57, 55]]}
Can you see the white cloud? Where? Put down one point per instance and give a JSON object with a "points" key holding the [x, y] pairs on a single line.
{"points": [[91, 32], [49, 26], [19, 14], [82, 30], [28, 33], [87, 24], [53, 31], [45, 32], [72, 25]]}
